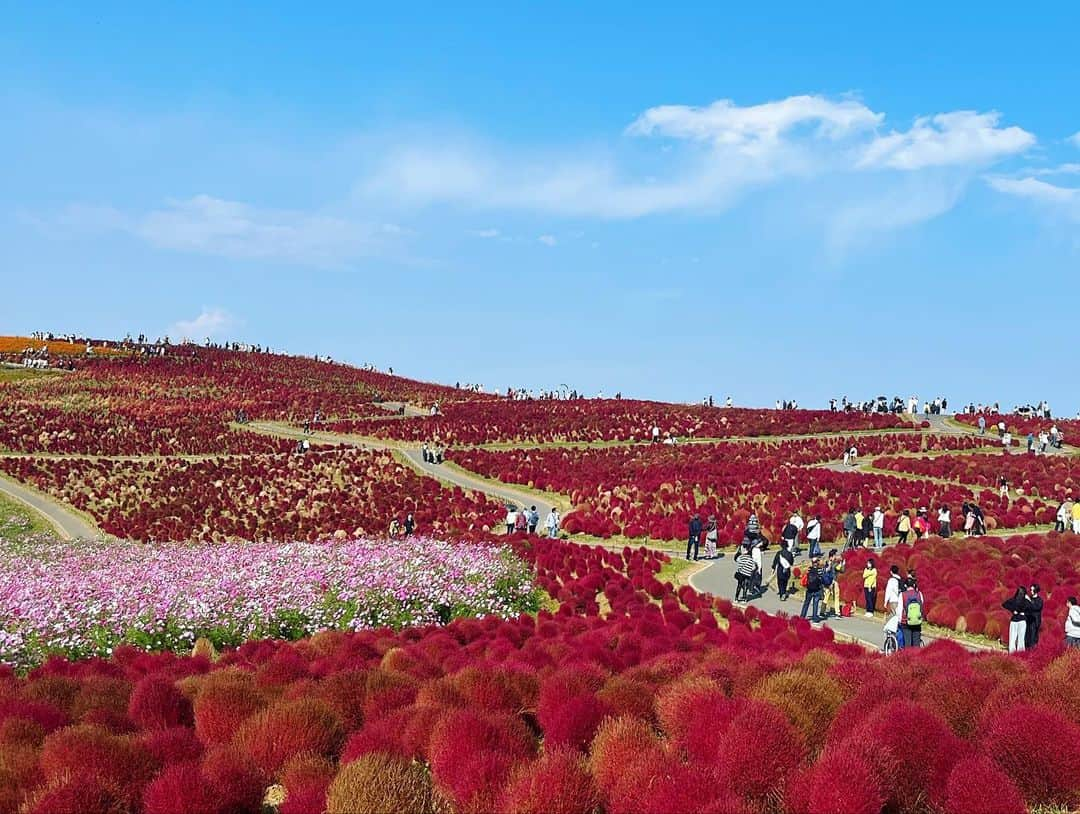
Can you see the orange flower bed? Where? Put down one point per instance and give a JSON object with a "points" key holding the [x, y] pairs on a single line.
{"points": [[17, 344]]}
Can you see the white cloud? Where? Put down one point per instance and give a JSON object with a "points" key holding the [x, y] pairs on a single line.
{"points": [[1074, 139], [913, 202], [947, 139], [548, 240], [1060, 169], [756, 128], [485, 233], [1059, 200], [712, 157], [207, 225], [213, 322]]}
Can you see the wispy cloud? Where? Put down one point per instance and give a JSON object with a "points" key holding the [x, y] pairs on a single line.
{"points": [[213, 322], [1063, 201], [486, 234], [548, 240], [708, 159], [212, 226], [1074, 139], [963, 137]]}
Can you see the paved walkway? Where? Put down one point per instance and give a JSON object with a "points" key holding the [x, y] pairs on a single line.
{"points": [[68, 524], [718, 579]]}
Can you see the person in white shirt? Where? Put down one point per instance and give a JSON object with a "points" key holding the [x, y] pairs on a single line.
{"points": [[511, 519], [655, 434], [879, 528], [1072, 624], [553, 523], [797, 521], [944, 520], [729, 402], [813, 535], [892, 602]]}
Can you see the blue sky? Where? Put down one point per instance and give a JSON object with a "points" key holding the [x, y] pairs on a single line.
{"points": [[668, 201]]}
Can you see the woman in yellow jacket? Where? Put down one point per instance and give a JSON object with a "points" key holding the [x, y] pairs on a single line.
{"points": [[903, 527], [869, 586]]}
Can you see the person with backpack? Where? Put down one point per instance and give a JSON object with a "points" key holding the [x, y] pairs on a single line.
{"points": [[753, 527], [1018, 606], [783, 561], [744, 573], [693, 541], [869, 581], [534, 520], [868, 528], [812, 583], [799, 524], [1034, 617], [813, 535], [830, 590], [911, 620], [790, 534]]}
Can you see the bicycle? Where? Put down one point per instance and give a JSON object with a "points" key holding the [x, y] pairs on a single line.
{"points": [[890, 645]]}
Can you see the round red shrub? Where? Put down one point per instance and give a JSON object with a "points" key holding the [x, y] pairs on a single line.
{"points": [[274, 735], [156, 703], [977, 786], [1039, 749], [556, 783]]}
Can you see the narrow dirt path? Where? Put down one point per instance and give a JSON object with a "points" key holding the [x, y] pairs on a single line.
{"points": [[448, 473], [68, 524]]}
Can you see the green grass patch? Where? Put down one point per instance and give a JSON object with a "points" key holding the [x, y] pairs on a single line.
{"points": [[20, 524]]}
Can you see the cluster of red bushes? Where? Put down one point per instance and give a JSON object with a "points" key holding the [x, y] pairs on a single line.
{"points": [[260, 497], [1047, 476], [136, 428], [586, 420], [965, 580], [181, 404], [1020, 425], [651, 491], [654, 706]]}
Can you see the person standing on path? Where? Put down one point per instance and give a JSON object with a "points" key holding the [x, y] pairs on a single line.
{"points": [[797, 521], [521, 522], [693, 540], [1034, 617], [553, 523], [849, 528], [893, 590], [511, 518], [534, 520], [1017, 605], [1076, 517], [1072, 623], [869, 582], [813, 535], [903, 527], [1063, 516], [410, 525], [944, 522], [982, 425], [782, 564], [744, 574], [912, 618], [879, 528], [712, 537], [813, 590], [757, 554]]}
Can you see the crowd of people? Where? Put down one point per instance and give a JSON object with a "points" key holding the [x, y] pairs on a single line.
{"points": [[883, 404], [527, 521]]}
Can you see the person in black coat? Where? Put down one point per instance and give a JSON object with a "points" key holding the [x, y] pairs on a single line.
{"points": [[694, 539], [1034, 617]]}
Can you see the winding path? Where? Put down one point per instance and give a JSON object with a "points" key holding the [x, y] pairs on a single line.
{"points": [[68, 524]]}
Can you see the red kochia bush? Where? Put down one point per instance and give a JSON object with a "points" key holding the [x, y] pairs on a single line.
{"points": [[556, 783], [156, 703], [1040, 750], [838, 783], [273, 736], [224, 701], [306, 780], [90, 751], [978, 786]]}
